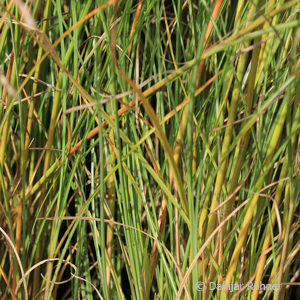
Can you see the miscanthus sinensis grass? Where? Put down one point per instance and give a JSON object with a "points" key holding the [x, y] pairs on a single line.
{"points": [[149, 149]]}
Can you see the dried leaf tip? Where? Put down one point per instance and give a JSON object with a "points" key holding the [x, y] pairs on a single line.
{"points": [[26, 15]]}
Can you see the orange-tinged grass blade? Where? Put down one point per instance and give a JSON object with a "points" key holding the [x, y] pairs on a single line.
{"points": [[2, 20], [215, 13], [135, 20], [7, 284], [82, 20], [111, 202]]}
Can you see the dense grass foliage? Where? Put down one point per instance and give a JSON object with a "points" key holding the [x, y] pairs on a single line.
{"points": [[149, 149]]}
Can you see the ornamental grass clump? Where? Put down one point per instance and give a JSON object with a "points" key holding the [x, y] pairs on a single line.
{"points": [[149, 149]]}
